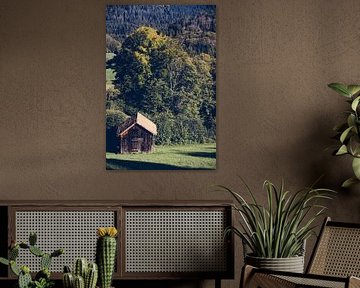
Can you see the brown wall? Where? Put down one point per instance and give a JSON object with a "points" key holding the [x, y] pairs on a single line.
{"points": [[275, 113]]}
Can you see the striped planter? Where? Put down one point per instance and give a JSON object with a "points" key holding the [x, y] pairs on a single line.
{"points": [[291, 264]]}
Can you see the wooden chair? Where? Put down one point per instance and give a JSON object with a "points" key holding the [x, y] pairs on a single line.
{"points": [[335, 262]]}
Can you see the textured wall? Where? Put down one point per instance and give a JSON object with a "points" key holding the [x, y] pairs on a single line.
{"points": [[275, 113]]}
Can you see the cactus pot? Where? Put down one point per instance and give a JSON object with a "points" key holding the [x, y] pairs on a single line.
{"points": [[291, 264]]}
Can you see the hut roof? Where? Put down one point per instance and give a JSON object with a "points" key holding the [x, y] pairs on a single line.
{"points": [[140, 120]]}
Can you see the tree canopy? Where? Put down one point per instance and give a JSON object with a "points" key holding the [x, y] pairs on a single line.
{"points": [[172, 86]]}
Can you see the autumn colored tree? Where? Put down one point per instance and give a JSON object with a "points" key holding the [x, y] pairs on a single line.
{"points": [[156, 76]]}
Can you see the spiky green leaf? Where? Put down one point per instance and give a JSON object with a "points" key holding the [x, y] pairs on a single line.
{"points": [[340, 88]]}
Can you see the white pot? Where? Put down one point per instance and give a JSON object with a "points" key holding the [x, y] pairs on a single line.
{"points": [[291, 264]]}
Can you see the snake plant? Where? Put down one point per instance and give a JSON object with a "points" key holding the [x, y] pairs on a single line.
{"points": [[280, 228]]}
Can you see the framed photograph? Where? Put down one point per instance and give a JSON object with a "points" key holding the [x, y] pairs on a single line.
{"points": [[161, 87]]}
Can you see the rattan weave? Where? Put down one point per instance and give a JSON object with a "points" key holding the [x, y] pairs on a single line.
{"points": [[74, 231], [338, 252], [175, 241]]}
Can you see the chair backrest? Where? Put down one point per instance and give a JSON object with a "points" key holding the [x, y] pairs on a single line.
{"points": [[337, 251]]}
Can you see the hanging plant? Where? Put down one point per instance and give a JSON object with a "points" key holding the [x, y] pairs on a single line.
{"points": [[349, 132]]}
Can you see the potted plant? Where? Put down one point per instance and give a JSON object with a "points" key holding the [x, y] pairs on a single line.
{"points": [[274, 235], [349, 132]]}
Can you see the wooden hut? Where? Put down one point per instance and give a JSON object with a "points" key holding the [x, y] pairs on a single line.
{"points": [[136, 134]]}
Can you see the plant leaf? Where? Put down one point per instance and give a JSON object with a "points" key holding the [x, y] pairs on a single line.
{"points": [[345, 134], [351, 120], [356, 167], [340, 88], [342, 150], [355, 103], [353, 89], [350, 182], [4, 261]]}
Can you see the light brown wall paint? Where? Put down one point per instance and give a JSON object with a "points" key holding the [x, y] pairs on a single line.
{"points": [[275, 113]]}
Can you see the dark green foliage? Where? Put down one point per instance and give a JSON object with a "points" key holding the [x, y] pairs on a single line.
{"points": [[114, 118], [112, 45], [193, 25]]}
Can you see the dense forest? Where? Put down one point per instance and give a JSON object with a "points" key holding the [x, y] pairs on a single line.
{"points": [[161, 61]]}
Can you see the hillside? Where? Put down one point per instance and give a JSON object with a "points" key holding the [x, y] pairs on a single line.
{"points": [[194, 26]]}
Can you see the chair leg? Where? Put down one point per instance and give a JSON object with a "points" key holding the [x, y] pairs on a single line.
{"points": [[246, 276]]}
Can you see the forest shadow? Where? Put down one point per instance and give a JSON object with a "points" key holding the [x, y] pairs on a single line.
{"points": [[111, 140], [114, 164], [202, 154]]}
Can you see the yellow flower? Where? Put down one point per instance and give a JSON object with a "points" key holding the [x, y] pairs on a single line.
{"points": [[107, 231]]}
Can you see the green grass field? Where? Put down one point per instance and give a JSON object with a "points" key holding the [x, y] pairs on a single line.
{"points": [[177, 157]]}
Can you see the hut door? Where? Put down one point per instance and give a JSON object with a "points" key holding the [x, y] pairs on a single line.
{"points": [[136, 144]]}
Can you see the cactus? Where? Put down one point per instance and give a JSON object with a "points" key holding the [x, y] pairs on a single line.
{"points": [[87, 272], [45, 261], [4, 261], [32, 239], [57, 253], [24, 245], [105, 254], [36, 251], [91, 276], [79, 282], [14, 253], [24, 278], [80, 267], [68, 278], [14, 268]]}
